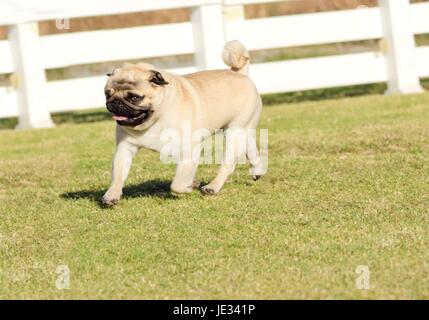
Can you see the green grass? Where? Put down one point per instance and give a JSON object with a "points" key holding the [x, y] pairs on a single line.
{"points": [[347, 185]]}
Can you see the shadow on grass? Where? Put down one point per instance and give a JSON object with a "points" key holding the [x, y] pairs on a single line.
{"points": [[151, 188]]}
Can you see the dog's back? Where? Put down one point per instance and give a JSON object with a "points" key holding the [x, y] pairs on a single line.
{"points": [[230, 93]]}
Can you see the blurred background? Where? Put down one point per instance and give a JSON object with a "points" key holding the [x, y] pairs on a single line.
{"points": [[251, 11]]}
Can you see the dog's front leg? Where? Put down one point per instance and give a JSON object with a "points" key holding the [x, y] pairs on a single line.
{"points": [[121, 167], [183, 181]]}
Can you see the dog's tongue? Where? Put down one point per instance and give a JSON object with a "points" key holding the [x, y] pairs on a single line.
{"points": [[119, 118]]}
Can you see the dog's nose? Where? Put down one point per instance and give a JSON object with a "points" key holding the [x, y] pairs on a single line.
{"points": [[113, 106]]}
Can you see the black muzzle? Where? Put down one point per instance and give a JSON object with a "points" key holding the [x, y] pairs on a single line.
{"points": [[122, 107]]}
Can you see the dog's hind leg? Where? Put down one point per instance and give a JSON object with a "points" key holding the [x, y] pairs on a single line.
{"points": [[257, 168], [121, 167], [235, 149]]}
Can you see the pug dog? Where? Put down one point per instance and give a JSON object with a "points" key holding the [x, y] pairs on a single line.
{"points": [[145, 102]]}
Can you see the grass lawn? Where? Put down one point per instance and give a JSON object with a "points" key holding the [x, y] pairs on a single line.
{"points": [[348, 185]]}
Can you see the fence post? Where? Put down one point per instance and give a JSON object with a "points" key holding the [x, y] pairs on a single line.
{"points": [[30, 77], [401, 67], [209, 38], [234, 13]]}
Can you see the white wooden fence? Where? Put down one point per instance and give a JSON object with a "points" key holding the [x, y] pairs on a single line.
{"points": [[26, 55]]}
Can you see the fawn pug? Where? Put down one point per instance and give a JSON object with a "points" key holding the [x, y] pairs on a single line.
{"points": [[145, 101]]}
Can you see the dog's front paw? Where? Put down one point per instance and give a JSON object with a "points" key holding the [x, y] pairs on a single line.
{"points": [[208, 191], [196, 184], [179, 189], [109, 199]]}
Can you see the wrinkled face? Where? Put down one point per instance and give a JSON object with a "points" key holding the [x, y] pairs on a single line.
{"points": [[133, 94]]}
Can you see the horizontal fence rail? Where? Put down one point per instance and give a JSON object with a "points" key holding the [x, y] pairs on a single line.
{"points": [[307, 29], [22, 11], [26, 55]]}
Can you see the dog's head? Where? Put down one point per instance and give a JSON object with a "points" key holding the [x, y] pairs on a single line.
{"points": [[134, 94]]}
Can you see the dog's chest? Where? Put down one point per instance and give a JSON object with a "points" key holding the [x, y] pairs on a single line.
{"points": [[167, 141], [151, 139]]}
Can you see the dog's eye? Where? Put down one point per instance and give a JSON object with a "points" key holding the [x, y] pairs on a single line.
{"points": [[107, 94], [134, 97]]}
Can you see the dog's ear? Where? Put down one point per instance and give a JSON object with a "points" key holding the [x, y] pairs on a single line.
{"points": [[111, 73], [157, 78]]}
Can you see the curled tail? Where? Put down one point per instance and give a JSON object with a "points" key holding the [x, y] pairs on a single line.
{"points": [[236, 56]]}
